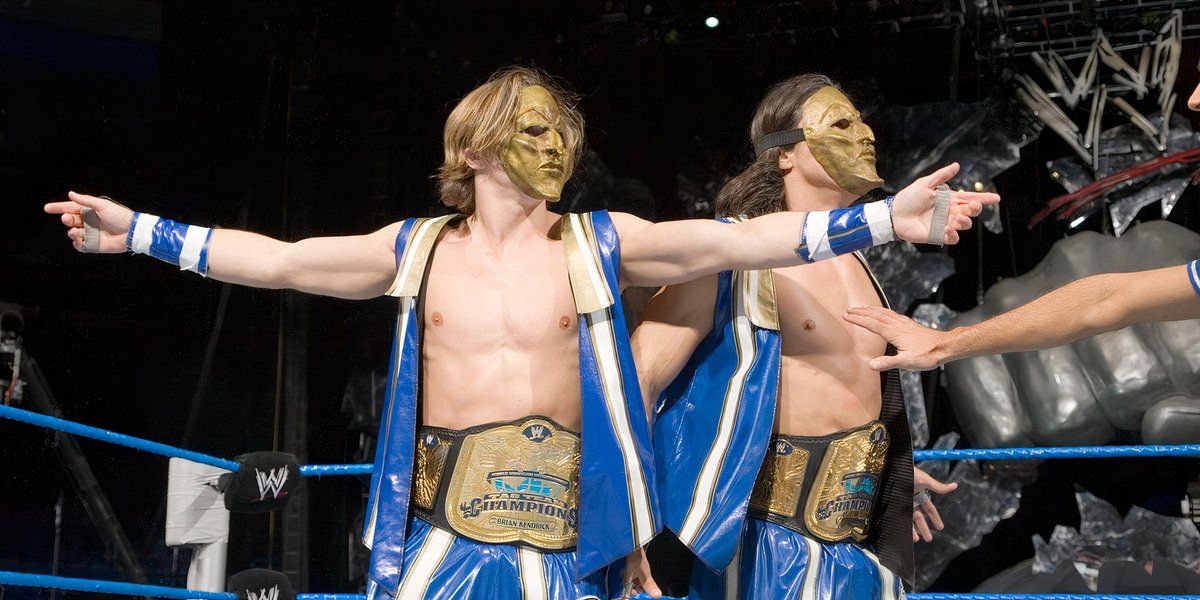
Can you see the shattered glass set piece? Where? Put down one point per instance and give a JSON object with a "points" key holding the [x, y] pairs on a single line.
{"points": [[935, 315], [907, 274], [1165, 189], [1123, 147], [984, 138], [990, 217], [1103, 537]]}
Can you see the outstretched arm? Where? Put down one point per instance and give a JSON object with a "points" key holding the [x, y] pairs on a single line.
{"points": [[1079, 309], [676, 251], [675, 322], [354, 267]]}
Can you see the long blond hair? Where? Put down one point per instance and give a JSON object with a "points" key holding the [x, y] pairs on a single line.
{"points": [[482, 122], [758, 189]]}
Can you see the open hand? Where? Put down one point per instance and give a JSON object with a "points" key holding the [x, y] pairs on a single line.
{"points": [[637, 578], [925, 514], [918, 348], [912, 208], [114, 220]]}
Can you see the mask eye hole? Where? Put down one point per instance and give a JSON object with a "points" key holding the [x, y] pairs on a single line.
{"points": [[842, 124], [535, 130]]}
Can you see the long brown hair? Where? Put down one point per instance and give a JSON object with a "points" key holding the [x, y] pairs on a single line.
{"points": [[483, 121], [758, 189]]}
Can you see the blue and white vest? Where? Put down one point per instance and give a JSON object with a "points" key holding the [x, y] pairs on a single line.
{"points": [[725, 397], [618, 509], [715, 419]]}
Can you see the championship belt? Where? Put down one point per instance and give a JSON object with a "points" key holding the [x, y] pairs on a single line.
{"points": [[500, 483], [823, 487]]}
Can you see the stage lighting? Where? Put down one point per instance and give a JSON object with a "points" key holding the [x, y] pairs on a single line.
{"points": [[712, 22]]}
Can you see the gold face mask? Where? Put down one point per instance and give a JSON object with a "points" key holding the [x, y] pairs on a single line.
{"points": [[534, 155], [842, 144]]}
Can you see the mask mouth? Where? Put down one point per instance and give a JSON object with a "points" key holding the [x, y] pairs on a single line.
{"points": [[869, 153], [554, 167]]}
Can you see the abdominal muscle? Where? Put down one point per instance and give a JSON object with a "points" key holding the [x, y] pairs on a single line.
{"points": [[501, 336], [505, 385], [815, 399]]}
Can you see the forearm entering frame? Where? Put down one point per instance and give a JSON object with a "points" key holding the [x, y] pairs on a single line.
{"points": [[1082, 308]]}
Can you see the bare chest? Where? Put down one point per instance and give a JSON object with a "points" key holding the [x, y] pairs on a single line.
{"points": [[519, 300], [813, 298]]}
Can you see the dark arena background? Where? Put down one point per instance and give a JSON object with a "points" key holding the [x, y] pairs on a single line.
{"points": [[306, 118]]}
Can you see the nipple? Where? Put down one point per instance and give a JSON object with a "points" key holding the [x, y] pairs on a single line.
{"points": [[437, 319], [564, 323], [809, 325]]}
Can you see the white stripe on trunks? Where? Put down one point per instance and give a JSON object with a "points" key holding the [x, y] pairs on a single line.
{"points": [[429, 557], [812, 571], [533, 575]]}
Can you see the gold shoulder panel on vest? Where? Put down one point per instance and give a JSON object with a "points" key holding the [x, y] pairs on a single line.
{"points": [[411, 266]]}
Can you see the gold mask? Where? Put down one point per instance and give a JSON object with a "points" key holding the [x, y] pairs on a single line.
{"points": [[842, 144], [534, 155]]}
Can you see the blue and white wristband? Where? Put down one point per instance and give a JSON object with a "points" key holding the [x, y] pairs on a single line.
{"points": [[830, 233], [185, 246], [1193, 271]]}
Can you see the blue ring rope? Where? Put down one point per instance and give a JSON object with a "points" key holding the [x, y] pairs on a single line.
{"points": [[319, 470], [120, 439], [1058, 452], [1177, 450], [155, 591], [107, 587]]}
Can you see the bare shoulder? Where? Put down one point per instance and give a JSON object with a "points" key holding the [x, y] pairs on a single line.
{"points": [[627, 224], [386, 235]]}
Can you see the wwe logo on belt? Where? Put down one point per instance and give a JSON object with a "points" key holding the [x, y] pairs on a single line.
{"points": [[270, 482], [265, 594]]}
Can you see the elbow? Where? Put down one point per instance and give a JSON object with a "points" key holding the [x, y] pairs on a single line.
{"points": [[274, 271], [1109, 310]]}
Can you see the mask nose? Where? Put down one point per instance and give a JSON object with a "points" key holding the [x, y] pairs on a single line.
{"points": [[554, 144], [864, 134]]}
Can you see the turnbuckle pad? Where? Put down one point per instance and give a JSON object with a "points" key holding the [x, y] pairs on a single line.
{"points": [[264, 482], [261, 584]]}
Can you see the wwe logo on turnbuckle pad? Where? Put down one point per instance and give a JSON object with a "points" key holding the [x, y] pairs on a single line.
{"points": [[271, 482], [264, 594]]}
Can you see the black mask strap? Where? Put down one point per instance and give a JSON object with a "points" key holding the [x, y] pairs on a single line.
{"points": [[778, 138]]}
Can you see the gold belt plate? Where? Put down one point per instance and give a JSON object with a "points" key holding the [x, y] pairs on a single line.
{"points": [[430, 461], [781, 479], [517, 483], [842, 497]]}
